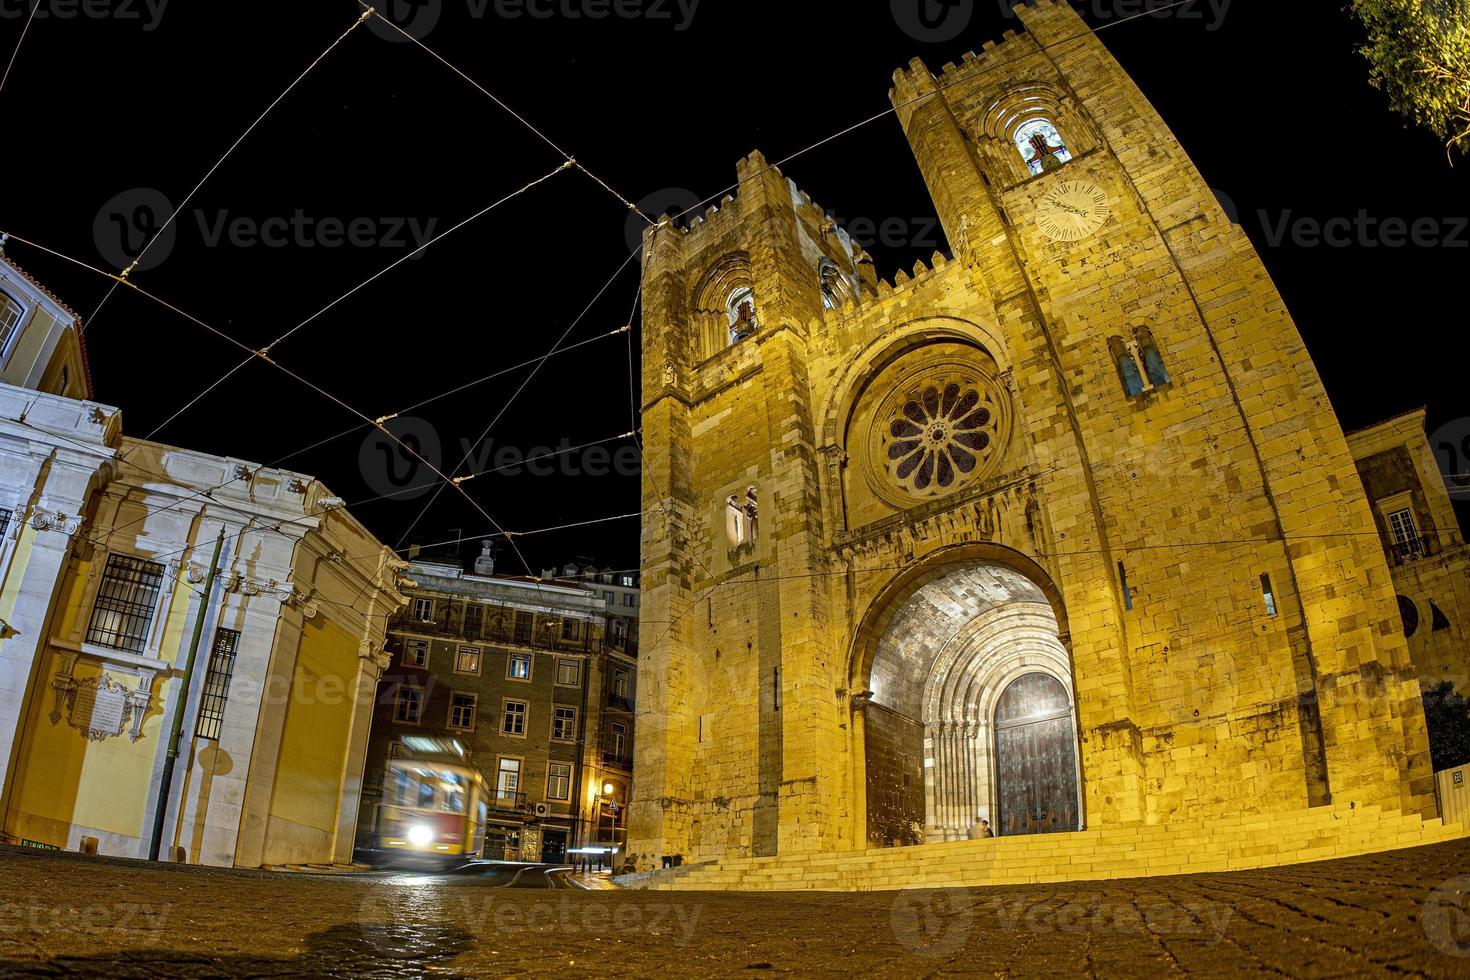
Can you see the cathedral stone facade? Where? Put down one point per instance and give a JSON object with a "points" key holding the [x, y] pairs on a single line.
{"points": [[1061, 532]]}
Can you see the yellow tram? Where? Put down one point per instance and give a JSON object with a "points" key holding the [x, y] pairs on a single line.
{"points": [[432, 811]]}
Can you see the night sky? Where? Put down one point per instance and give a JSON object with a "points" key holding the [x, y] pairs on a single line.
{"points": [[103, 115]]}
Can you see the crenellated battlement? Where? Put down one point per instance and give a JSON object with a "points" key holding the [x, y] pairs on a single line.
{"points": [[903, 282], [1044, 22]]}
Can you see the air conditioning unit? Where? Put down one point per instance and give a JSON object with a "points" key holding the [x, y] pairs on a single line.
{"points": [[543, 809]]}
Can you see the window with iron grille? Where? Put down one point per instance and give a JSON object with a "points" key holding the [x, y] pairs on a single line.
{"points": [[217, 684], [568, 629], [525, 623], [474, 620], [125, 603]]}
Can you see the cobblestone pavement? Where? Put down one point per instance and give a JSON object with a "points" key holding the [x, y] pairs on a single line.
{"points": [[1397, 913]]}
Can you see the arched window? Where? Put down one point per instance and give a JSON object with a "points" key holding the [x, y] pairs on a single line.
{"points": [[1153, 361], [11, 313], [834, 286], [742, 521], [740, 311], [1041, 145], [1128, 372]]}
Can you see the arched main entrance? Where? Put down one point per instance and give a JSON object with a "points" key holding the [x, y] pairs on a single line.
{"points": [[968, 711], [1035, 758]]}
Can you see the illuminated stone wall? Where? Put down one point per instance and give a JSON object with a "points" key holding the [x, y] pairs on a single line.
{"points": [[1197, 693]]}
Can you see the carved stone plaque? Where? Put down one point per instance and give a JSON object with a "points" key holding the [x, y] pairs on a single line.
{"points": [[100, 708]]}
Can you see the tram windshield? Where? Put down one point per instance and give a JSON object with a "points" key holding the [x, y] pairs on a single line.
{"points": [[418, 786]]}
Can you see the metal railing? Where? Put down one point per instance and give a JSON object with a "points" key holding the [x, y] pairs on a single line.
{"points": [[504, 801], [1409, 550]]}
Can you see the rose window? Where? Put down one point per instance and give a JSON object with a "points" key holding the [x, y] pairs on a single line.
{"points": [[941, 437]]}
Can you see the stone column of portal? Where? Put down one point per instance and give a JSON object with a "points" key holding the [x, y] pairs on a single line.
{"points": [[945, 777], [954, 777], [967, 751]]}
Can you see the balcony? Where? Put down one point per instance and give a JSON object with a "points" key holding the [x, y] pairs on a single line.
{"points": [[620, 702], [506, 802], [618, 761], [1409, 550]]}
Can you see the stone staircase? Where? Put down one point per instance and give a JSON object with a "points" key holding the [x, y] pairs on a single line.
{"points": [[1140, 851]]}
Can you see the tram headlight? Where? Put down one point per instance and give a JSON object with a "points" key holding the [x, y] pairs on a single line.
{"points": [[420, 835]]}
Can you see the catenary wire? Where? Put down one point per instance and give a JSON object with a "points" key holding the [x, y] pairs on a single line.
{"points": [[470, 451], [284, 370], [219, 163], [371, 279], [21, 40], [1090, 32], [515, 115]]}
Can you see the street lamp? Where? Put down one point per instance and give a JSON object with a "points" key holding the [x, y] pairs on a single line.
{"points": [[608, 800]]}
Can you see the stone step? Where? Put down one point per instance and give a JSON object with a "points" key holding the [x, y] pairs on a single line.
{"points": [[1230, 843]]}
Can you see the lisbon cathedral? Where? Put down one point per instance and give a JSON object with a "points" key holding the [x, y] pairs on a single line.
{"points": [[1059, 534]]}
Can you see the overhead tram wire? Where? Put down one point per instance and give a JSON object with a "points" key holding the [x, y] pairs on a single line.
{"points": [[1090, 32], [219, 163], [264, 356], [377, 423], [450, 393], [354, 504], [470, 451], [208, 492], [506, 108], [355, 289], [35, 5]]}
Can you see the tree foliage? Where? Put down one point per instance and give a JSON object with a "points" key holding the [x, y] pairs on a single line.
{"points": [[1419, 55]]}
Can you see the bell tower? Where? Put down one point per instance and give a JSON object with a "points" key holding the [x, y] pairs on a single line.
{"points": [[737, 716], [1208, 460]]}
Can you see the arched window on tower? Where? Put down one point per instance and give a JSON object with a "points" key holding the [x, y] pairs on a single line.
{"points": [[742, 522], [834, 286], [740, 310], [1128, 372], [1153, 362], [1041, 146]]}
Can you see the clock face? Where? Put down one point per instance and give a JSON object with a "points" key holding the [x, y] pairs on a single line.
{"points": [[1073, 210]]}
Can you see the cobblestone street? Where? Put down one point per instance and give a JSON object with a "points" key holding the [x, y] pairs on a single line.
{"points": [[65, 915]]}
